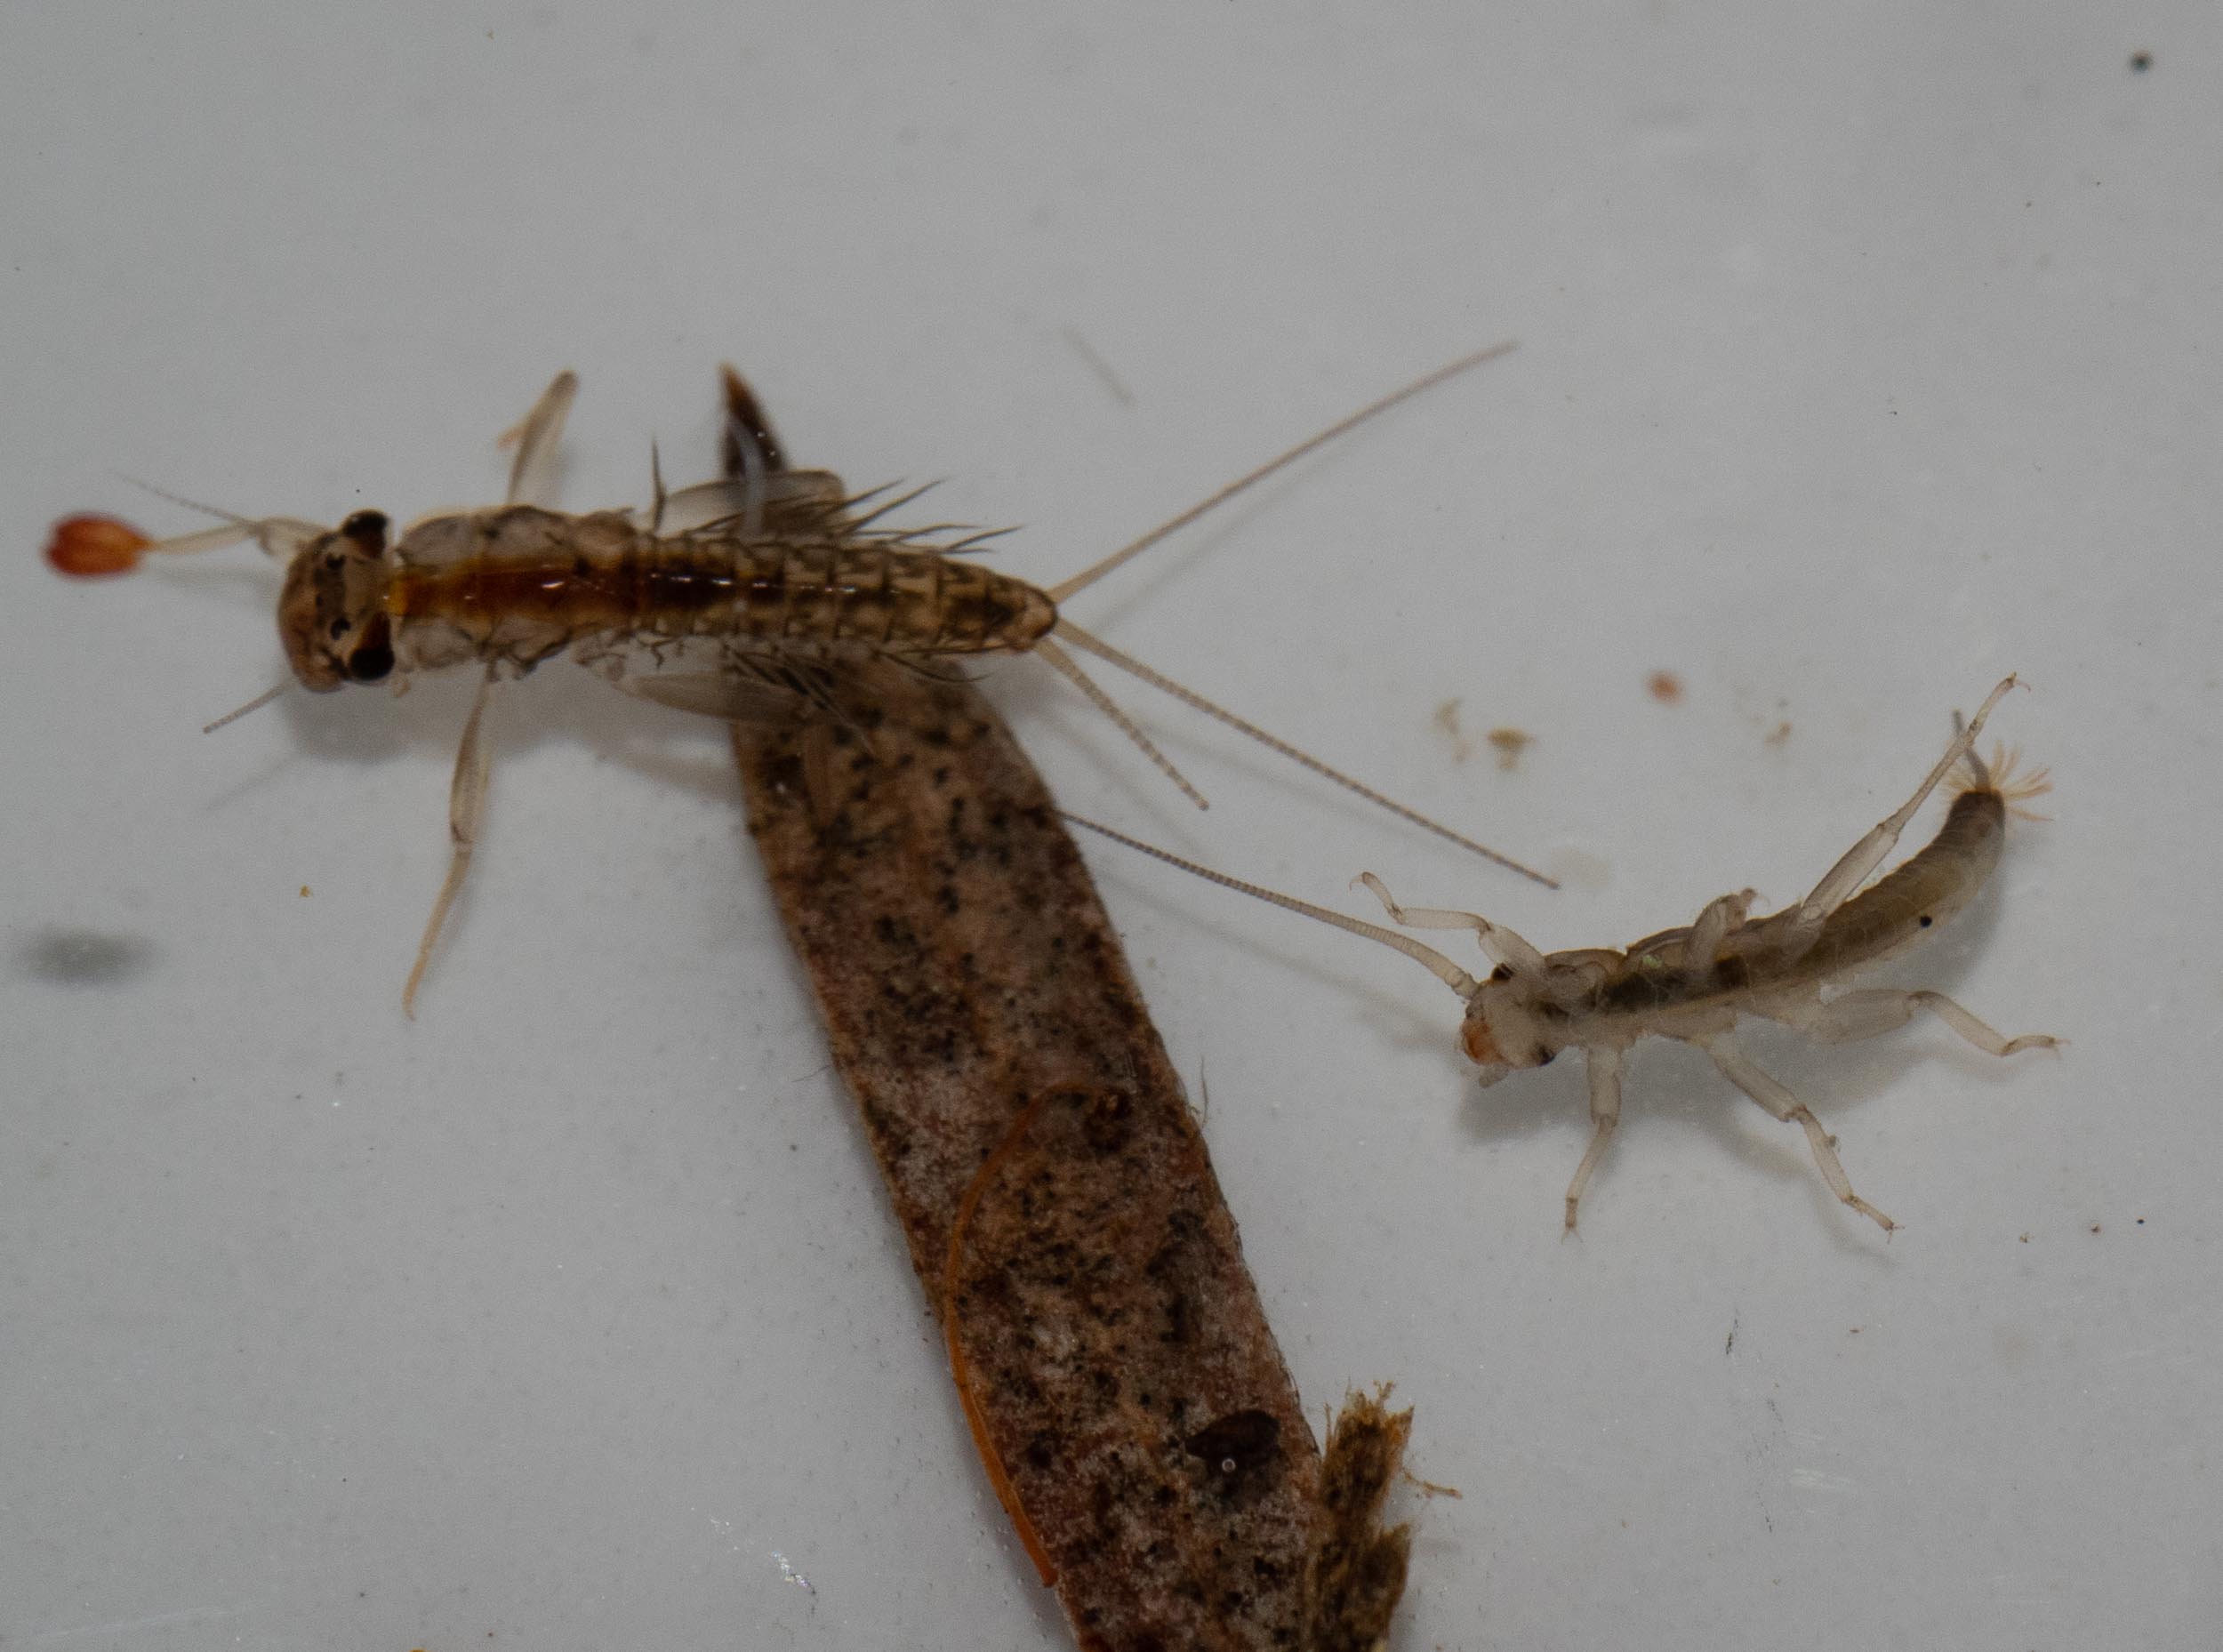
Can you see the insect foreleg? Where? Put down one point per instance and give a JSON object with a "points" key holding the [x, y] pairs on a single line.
{"points": [[1603, 1063], [465, 805], [1784, 1105], [1501, 944]]}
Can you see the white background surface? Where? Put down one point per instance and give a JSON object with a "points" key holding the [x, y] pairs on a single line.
{"points": [[1861, 362]]}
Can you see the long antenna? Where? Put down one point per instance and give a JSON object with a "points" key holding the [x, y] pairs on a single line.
{"points": [[1427, 381], [246, 524], [1441, 966]]}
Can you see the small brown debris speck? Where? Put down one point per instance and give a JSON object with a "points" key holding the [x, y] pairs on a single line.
{"points": [[1511, 743], [2141, 62], [1429, 1488], [1664, 687], [1780, 735]]}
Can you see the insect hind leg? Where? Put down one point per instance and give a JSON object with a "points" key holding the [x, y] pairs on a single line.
{"points": [[1781, 1104], [1866, 1014], [1839, 883]]}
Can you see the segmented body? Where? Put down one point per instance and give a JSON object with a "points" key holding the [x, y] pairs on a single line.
{"points": [[518, 585], [785, 577], [1693, 983], [1649, 987]]}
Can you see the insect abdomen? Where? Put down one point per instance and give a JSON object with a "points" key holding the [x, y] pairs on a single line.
{"points": [[898, 601], [1922, 892], [522, 583]]}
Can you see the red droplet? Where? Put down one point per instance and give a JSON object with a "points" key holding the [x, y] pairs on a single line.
{"points": [[91, 547]]}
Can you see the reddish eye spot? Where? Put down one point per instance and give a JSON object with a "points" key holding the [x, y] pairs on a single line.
{"points": [[90, 546]]}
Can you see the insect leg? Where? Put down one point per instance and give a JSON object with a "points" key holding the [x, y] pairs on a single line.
{"points": [[1502, 945], [1865, 1013], [721, 694], [535, 434], [1722, 914], [1784, 1105], [1852, 871], [1603, 1062], [466, 804]]}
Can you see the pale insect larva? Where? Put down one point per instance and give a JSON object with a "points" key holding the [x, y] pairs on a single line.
{"points": [[1693, 983], [785, 576]]}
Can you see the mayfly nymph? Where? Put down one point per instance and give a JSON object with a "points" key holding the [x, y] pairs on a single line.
{"points": [[1693, 983], [786, 579]]}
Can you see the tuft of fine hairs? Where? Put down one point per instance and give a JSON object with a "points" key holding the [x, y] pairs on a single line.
{"points": [[2004, 776]]}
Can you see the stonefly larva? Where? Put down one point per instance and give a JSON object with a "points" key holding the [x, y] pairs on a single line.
{"points": [[786, 577], [1693, 983]]}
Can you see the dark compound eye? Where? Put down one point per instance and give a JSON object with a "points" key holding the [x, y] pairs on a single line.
{"points": [[372, 663], [373, 658]]}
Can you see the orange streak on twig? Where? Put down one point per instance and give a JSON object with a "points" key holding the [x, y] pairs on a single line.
{"points": [[961, 1372]]}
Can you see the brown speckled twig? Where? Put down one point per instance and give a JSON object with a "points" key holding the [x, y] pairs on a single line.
{"points": [[1061, 1210]]}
